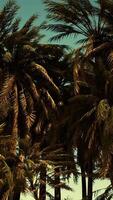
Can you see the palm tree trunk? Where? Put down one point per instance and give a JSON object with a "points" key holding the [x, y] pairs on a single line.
{"points": [[57, 182], [90, 181], [16, 195], [42, 190], [84, 196]]}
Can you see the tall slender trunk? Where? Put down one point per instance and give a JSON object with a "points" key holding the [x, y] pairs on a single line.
{"points": [[57, 182], [42, 189], [16, 195], [84, 195], [90, 181]]}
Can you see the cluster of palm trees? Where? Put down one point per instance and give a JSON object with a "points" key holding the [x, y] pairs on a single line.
{"points": [[56, 105]]}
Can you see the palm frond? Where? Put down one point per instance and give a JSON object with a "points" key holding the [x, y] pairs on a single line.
{"points": [[31, 87], [108, 194], [6, 17], [7, 86], [29, 23], [41, 71], [49, 100], [15, 25], [14, 128]]}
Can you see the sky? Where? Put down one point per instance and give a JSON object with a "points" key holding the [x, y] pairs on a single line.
{"points": [[30, 7], [27, 8], [76, 194]]}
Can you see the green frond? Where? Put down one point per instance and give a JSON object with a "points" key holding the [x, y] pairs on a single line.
{"points": [[62, 35], [28, 35], [65, 30], [74, 17], [7, 15]]}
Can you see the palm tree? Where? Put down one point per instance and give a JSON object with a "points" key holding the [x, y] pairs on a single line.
{"points": [[92, 74], [26, 89], [61, 75], [78, 18], [23, 79], [88, 124]]}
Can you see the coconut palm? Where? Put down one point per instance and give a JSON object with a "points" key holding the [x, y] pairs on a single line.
{"points": [[92, 71], [23, 94], [89, 123], [26, 89], [78, 18]]}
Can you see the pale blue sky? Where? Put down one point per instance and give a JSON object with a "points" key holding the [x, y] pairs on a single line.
{"points": [[27, 8]]}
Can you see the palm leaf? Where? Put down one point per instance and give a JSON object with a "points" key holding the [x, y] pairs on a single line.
{"points": [[7, 87], [30, 86], [41, 71], [50, 103]]}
